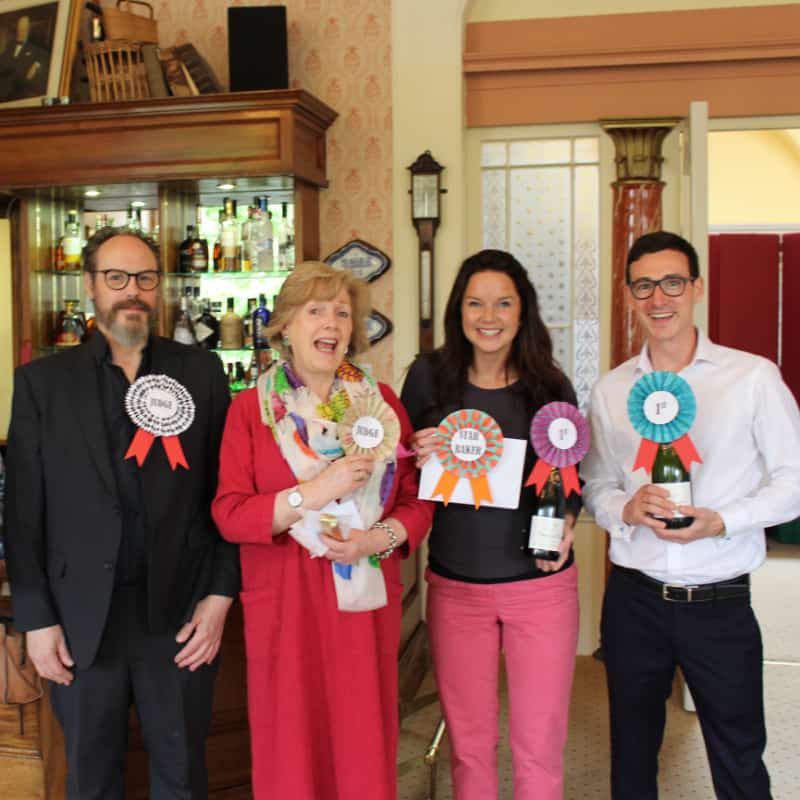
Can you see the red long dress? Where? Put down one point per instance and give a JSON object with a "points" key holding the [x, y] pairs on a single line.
{"points": [[322, 683]]}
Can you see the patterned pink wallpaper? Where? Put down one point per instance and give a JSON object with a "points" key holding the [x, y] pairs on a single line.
{"points": [[339, 50]]}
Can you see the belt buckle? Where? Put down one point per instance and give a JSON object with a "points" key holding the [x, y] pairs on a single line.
{"points": [[688, 589]]}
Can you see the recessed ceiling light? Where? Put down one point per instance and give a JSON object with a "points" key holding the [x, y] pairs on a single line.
{"points": [[92, 193], [226, 187], [137, 203]]}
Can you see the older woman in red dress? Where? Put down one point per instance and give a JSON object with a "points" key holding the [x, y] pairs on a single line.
{"points": [[322, 681]]}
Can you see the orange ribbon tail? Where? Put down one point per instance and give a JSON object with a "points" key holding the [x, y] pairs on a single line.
{"points": [[539, 475], [646, 455], [480, 490], [174, 451], [685, 449], [140, 446], [446, 486], [569, 480]]}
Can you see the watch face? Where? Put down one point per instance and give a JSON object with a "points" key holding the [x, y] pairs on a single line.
{"points": [[295, 499]]}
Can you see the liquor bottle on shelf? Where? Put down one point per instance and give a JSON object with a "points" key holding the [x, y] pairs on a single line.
{"points": [[230, 238], [231, 375], [670, 474], [68, 249], [70, 325], [183, 331], [247, 323], [230, 329], [199, 261], [185, 251], [283, 232], [261, 317], [239, 379], [206, 328], [547, 524], [261, 238], [217, 252], [247, 228], [134, 220]]}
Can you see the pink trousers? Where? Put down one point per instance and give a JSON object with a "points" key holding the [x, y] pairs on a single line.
{"points": [[535, 624]]}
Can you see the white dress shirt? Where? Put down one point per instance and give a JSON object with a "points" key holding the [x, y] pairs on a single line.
{"points": [[747, 431]]}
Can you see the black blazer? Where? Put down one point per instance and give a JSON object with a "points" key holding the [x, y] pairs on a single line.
{"points": [[63, 519]]}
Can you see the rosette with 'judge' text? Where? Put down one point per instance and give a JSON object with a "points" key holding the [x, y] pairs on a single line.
{"points": [[160, 407]]}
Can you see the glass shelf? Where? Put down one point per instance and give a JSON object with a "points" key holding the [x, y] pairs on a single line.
{"points": [[278, 273], [65, 272]]}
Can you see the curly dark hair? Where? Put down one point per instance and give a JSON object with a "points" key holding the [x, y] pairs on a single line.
{"points": [[531, 354]]}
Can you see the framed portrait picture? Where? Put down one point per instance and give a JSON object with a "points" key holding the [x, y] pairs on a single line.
{"points": [[37, 48]]}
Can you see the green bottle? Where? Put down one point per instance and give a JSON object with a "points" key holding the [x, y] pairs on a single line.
{"points": [[670, 474], [547, 524]]}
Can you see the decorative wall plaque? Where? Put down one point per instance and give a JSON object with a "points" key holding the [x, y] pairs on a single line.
{"points": [[362, 259]]}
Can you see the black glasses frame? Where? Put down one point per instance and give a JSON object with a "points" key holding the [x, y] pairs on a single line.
{"points": [[146, 274], [636, 286]]}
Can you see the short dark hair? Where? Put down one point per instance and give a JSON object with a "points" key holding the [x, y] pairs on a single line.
{"points": [[89, 254], [656, 242]]}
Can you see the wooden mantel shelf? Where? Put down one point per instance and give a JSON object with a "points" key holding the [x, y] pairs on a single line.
{"points": [[217, 136]]}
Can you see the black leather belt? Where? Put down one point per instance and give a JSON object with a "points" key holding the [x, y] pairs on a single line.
{"points": [[698, 593]]}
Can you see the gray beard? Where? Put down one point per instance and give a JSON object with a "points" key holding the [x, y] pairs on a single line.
{"points": [[124, 333]]}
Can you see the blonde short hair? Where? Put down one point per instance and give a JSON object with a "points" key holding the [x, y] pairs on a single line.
{"points": [[314, 280]]}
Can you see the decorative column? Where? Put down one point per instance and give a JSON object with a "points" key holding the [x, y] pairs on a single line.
{"points": [[637, 210]]}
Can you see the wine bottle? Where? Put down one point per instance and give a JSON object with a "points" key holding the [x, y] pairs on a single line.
{"points": [[670, 474], [547, 524], [230, 329]]}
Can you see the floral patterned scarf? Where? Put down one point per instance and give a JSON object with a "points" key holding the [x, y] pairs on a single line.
{"points": [[306, 428]]}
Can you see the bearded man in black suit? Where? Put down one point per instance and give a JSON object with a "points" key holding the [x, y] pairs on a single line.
{"points": [[117, 571]]}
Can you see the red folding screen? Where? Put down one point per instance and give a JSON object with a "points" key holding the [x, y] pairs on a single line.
{"points": [[743, 300], [790, 339]]}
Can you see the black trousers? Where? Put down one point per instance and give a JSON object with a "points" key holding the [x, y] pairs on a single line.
{"points": [[134, 667], [718, 648]]}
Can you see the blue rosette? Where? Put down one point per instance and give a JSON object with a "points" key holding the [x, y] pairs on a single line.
{"points": [[666, 395]]}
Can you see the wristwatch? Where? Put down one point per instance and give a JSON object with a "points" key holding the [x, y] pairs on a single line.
{"points": [[295, 498]]}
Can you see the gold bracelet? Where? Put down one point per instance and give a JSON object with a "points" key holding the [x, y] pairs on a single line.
{"points": [[393, 540]]}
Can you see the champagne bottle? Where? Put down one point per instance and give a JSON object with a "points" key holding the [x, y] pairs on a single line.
{"points": [[547, 524], [230, 329], [670, 474]]}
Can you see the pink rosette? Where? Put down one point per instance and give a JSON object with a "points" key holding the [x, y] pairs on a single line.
{"points": [[560, 437]]}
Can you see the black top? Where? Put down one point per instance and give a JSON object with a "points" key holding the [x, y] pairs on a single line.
{"points": [[486, 545], [120, 430]]}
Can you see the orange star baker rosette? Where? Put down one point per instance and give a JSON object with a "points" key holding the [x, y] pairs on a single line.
{"points": [[470, 445], [161, 407], [370, 427]]}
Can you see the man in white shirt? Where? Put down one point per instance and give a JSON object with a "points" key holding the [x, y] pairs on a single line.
{"points": [[681, 597]]}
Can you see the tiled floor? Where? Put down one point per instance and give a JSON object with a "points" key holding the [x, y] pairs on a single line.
{"points": [[684, 772]]}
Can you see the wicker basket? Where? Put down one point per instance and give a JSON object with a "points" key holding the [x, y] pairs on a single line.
{"points": [[124, 24], [116, 71]]}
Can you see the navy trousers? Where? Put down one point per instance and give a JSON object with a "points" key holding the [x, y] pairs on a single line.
{"points": [[717, 645]]}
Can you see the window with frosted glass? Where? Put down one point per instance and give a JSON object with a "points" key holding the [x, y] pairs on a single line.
{"points": [[540, 200]]}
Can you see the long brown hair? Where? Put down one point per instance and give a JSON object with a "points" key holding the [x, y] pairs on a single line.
{"points": [[531, 354]]}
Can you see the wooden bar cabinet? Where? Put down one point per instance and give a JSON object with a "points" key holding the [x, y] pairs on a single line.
{"points": [[170, 154]]}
